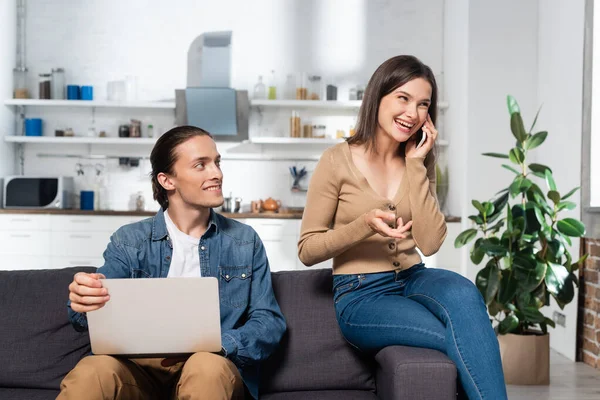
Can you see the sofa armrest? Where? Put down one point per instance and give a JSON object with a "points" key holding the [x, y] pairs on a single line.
{"points": [[414, 373]]}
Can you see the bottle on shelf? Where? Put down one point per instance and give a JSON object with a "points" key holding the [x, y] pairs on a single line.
{"points": [[272, 87], [260, 90], [20, 90], [295, 125]]}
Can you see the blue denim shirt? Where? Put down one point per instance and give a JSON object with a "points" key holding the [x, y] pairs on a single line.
{"points": [[251, 322]]}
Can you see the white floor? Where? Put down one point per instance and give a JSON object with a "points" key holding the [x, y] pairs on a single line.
{"points": [[568, 381]]}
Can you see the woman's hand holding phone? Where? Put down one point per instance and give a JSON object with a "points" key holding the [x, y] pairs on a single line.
{"points": [[420, 150]]}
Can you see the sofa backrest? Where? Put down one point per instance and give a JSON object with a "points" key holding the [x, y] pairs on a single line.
{"points": [[313, 355], [38, 345]]}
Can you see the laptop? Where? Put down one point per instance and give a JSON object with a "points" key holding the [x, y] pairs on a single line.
{"points": [[157, 317]]}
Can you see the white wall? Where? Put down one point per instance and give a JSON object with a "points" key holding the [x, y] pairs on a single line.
{"points": [[98, 41], [502, 61], [8, 20], [560, 81], [456, 70], [595, 115]]}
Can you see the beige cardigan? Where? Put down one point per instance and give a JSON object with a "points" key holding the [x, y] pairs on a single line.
{"points": [[333, 224]]}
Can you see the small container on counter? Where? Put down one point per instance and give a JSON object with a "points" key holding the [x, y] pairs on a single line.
{"points": [[20, 90], [319, 131], [331, 92], [301, 87], [87, 93], [73, 92], [315, 87], [44, 84], [295, 126], [135, 128], [289, 90], [58, 83], [307, 131], [124, 130]]}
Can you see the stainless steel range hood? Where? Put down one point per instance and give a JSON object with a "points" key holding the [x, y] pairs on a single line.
{"points": [[208, 101]]}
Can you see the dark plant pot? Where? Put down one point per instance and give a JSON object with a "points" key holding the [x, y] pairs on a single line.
{"points": [[525, 359]]}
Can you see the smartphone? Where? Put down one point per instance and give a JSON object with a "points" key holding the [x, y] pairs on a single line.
{"points": [[420, 137]]}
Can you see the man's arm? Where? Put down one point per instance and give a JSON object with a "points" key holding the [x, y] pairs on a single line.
{"points": [[258, 338], [115, 266]]}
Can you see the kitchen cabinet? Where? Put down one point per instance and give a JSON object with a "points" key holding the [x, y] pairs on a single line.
{"points": [[39, 241]]}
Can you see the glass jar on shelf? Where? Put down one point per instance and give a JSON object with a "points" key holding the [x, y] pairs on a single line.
{"points": [[58, 83], [319, 131], [315, 89], [301, 87], [20, 90], [260, 90], [289, 90], [44, 86]]}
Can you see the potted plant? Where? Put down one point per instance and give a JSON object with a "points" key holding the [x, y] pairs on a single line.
{"points": [[524, 245]]}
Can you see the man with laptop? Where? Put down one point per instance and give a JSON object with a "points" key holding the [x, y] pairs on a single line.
{"points": [[161, 338]]}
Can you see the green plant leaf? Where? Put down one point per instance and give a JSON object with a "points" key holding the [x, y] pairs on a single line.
{"points": [[493, 249], [508, 324], [571, 227], [569, 205], [513, 106], [533, 315], [539, 216], [496, 155], [516, 156], [477, 219], [477, 253], [535, 140], [556, 248], [528, 272], [535, 119], [554, 196], [478, 206], [465, 237], [539, 168], [488, 281], [517, 128], [566, 196], [508, 167], [560, 283], [508, 287], [575, 266], [488, 208], [550, 180], [515, 186]]}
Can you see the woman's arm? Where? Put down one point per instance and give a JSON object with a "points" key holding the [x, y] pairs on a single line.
{"points": [[318, 242], [429, 223]]}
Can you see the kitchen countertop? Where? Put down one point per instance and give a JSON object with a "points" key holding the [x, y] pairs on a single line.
{"points": [[284, 213]]}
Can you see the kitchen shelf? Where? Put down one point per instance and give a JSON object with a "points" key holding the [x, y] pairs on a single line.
{"points": [[323, 104], [167, 105], [77, 140], [290, 140]]}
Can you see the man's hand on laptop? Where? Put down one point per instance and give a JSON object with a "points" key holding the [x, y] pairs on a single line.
{"points": [[86, 292]]}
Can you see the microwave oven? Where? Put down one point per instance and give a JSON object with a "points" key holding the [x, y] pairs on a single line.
{"points": [[38, 192]]}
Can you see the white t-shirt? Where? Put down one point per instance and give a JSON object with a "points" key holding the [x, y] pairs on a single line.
{"points": [[185, 261]]}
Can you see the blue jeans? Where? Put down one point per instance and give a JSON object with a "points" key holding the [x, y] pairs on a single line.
{"points": [[423, 307]]}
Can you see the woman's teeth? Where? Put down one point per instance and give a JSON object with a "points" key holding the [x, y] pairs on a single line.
{"points": [[404, 124]]}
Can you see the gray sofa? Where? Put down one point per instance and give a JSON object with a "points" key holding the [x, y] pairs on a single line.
{"points": [[38, 346]]}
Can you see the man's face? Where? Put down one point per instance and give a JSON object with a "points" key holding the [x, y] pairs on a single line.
{"points": [[197, 176]]}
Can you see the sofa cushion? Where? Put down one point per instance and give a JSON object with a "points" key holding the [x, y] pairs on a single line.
{"points": [[38, 345], [322, 395], [28, 394], [313, 355]]}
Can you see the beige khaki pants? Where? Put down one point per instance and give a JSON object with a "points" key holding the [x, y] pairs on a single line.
{"points": [[203, 376]]}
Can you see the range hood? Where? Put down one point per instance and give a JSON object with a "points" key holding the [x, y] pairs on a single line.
{"points": [[208, 101]]}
